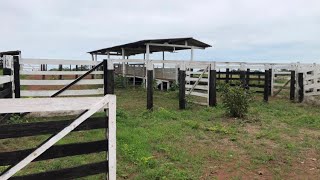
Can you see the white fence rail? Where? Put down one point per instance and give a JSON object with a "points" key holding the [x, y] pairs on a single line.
{"points": [[5, 79], [86, 89]]}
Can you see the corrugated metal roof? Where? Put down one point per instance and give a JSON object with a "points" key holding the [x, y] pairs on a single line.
{"points": [[139, 47]]}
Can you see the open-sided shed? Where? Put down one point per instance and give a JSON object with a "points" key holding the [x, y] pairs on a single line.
{"points": [[150, 46]]}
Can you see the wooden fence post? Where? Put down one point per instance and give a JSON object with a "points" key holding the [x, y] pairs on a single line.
{"points": [[243, 78], [212, 88], [92, 75], [266, 86], [108, 77], [227, 75], [60, 69], [7, 71], [149, 88], [16, 72], [248, 78], [270, 82], [43, 69], [292, 85], [301, 88], [182, 88], [76, 70]]}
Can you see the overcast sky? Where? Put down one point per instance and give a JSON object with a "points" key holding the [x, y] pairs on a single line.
{"points": [[238, 30]]}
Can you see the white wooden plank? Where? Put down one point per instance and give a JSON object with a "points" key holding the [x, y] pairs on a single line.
{"points": [[46, 104], [57, 61], [195, 79], [57, 72], [112, 145], [205, 95], [198, 72], [54, 139], [281, 73], [43, 93], [201, 87], [60, 82], [5, 79]]}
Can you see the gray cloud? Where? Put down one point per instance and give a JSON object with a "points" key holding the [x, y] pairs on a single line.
{"points": [[238, 29]]}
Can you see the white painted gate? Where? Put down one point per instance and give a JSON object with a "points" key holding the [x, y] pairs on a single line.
{"points": [[197, 82], [90, 104]]}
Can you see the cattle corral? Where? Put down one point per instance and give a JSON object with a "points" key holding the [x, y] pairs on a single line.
{"points": [[30, 78]]}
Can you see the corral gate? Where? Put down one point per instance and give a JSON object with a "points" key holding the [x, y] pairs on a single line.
{"points": [[197, 82], [47, 150]]}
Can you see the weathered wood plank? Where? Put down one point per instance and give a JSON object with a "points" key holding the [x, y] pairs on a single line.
{"points": [[68, 173], [5, 92], [48, 127], [58, 151]]}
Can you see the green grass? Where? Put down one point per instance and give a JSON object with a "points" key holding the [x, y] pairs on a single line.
{"points": [[199, 142]]}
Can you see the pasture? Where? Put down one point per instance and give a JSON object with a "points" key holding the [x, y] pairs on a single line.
{"points": [[276, 140]]}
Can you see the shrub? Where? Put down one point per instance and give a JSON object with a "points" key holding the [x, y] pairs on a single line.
{"points": [[236, 100], [174, 86], [119, 81]]}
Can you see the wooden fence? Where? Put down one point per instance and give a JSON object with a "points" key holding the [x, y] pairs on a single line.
{"points": [[18, 159], [64, 73], [55, 73]]}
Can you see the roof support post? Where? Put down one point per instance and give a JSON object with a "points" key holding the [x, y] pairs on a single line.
{"points": [[191, 54], [123, 68], [92, 57], [147, 61], [162, 59]]}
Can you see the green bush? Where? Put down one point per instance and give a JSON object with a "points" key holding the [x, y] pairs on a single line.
{"points": [[174, 86], [120, 81], [236, 100]]}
